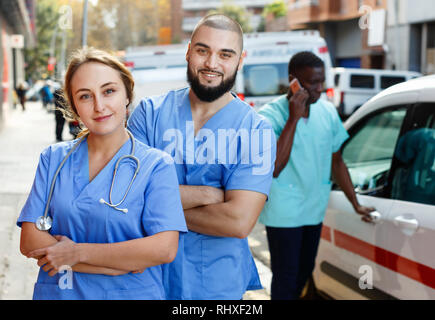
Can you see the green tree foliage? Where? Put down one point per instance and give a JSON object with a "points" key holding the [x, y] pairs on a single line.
{"points": [[277, 8], [37, 58], [237, 13], [125, 22], [112, 25]]}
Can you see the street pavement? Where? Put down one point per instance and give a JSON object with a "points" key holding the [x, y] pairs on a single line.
{"points": [[23, 136]]}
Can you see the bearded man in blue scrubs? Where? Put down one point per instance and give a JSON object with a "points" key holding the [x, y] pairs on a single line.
{"points": [[310, 135], [224, 154]]}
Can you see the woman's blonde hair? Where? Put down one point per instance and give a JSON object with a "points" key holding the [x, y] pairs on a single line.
{"points": [[86, 55]]}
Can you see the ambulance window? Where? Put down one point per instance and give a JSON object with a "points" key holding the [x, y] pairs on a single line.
{"points": [[369, 152], [336, 80], [362, 81], [265, 79], [414, 176], [388, 81], [176, 66]]}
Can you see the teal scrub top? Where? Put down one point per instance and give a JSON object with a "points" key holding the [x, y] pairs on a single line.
{"points": [[234, 150], [299, 195], [153, 204]]}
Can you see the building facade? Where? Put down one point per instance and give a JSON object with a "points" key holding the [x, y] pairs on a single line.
{"points": [[344, 25], [187, 13], [411, 35], [17, 30]]}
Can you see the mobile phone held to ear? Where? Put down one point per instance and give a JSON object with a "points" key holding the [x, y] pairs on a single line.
{"points": [[295, 86]]}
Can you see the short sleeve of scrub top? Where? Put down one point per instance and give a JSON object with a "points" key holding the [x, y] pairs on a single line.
{"points": [[275, 115], [138, 123], [162, 198], [339, 133], [256, 175], [142, 121], [35, 204]]}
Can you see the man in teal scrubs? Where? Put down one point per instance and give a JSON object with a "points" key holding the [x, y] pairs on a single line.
{"points": [[309, 130]]}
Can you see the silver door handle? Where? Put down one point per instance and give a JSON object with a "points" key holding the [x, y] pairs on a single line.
{"points": [[408, 225], [375, 216]]}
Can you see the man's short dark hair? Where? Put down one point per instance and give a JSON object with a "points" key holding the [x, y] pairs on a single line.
{"points": [[302, 60], [223, 22]]}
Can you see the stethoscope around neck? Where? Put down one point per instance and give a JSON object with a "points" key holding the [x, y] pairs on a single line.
{"points": [[45, 222]]}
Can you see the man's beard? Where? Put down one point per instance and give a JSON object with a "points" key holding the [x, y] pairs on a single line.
{"points": [[210, 94]]}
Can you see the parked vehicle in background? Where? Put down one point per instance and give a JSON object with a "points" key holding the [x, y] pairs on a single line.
{"points": [[152, 82], [353, 87], [33, 93], [391, 159], [156, 57], [156, 69], [265, 69]]}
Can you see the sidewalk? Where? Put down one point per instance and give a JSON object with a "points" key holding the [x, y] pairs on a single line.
{"points": [[23, 137]]}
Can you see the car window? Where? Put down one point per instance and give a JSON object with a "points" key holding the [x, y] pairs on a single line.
{"points": [[388, 81], [369, 152], [336, 80], [414, 176], [265, 79], [362, 81]]}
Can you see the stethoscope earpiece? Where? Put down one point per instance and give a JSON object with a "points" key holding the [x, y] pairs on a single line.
{"points": [[102, 201]]}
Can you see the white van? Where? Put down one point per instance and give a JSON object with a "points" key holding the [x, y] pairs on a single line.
{"points": [[353, 87], [265, 69]]}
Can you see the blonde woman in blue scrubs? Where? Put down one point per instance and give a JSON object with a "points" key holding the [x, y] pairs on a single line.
{"points": [[113, 254]]}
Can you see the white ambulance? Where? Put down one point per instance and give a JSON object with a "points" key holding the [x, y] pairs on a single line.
{"points": [[156, 57], [265, 70], [156, 69], [391, 159]]}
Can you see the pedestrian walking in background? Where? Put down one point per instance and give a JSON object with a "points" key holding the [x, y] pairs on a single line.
{"points": [[47, 96], [59, 104], [310, 136], [21, 93]]}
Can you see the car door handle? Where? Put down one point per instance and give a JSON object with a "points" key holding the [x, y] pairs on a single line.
{"points": [[409, 225], [376, 216]]}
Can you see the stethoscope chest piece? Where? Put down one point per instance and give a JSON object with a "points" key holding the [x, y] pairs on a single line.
{"points": [[44, 223]]}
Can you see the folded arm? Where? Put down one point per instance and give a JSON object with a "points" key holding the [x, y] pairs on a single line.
{"points": [[197, 196], [33, 239], [235, 217], [137, 254], [38, 244]]}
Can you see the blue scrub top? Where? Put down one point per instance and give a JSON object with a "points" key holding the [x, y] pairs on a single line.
{"points": [[235, 150], [299, 195], [78, 214]]}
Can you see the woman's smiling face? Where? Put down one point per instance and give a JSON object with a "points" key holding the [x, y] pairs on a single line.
{"points": [[100, 98]]}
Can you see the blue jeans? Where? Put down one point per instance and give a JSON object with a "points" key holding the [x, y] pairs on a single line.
{"points": [[292, 256]]}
